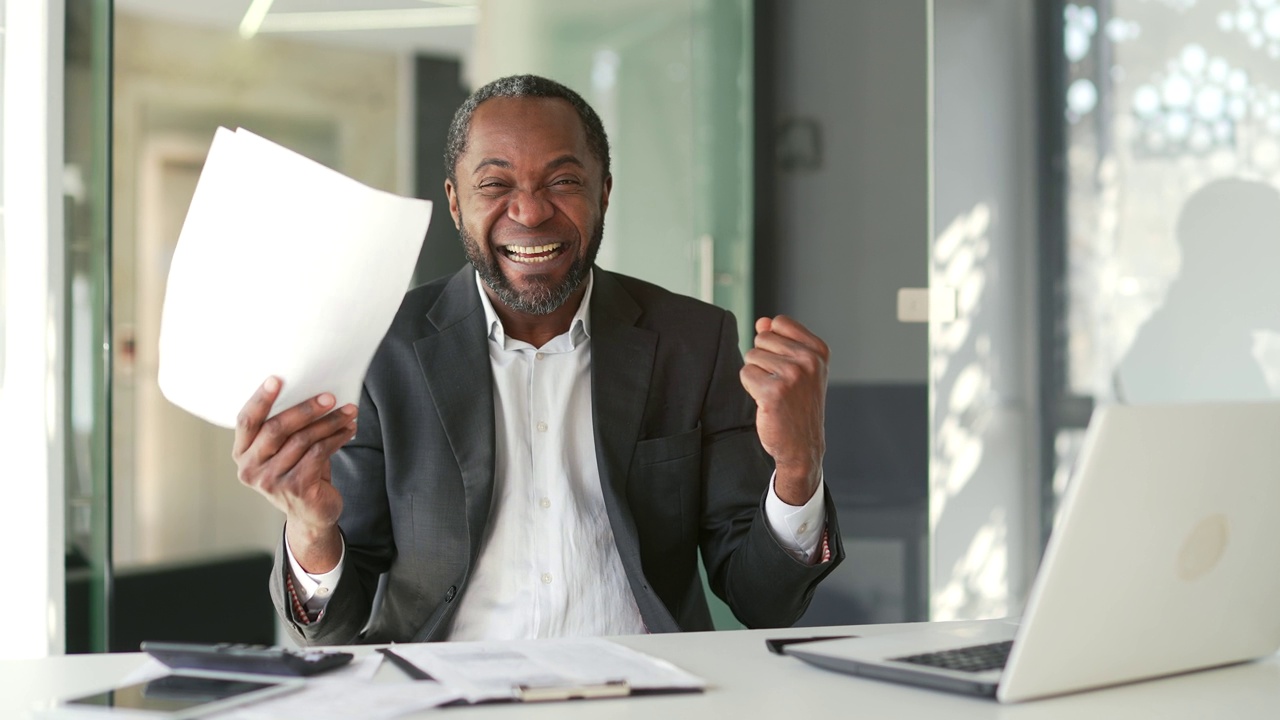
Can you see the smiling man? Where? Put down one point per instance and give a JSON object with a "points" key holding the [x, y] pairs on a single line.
{"points": [[543, 448]]}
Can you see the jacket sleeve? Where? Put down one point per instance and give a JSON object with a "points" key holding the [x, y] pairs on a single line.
{"points": [[359, 474], [746, 566]]}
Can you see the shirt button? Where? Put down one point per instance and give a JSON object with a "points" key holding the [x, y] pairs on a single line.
{"points": [[546, 578], [322, 591], [542, 426], [803, 527], [539, 355], [545, 502]]}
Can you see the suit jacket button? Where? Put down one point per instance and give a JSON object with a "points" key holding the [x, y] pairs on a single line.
{"points": [[448, 596]]}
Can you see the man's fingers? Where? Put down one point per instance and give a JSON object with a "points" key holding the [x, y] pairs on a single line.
{"points": [[319, 452], [253, 414], [791, 333], [772, 363], [278, 429], [279, 460], [754, 379]]}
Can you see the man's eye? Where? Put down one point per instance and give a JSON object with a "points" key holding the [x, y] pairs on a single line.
{"points": [[566, 181]]}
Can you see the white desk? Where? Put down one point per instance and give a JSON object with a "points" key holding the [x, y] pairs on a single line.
{"points": [[746, 681]]}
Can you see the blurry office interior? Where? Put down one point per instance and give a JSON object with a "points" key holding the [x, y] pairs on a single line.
{"points": [[1081, 193]]}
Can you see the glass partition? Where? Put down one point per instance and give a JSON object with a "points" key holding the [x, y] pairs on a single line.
{"points": [[86, 218], [1171, 190]]}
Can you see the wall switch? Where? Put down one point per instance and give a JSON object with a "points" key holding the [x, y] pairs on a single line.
{"points": [[920, 305]]}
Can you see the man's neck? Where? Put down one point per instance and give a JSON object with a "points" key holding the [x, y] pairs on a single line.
{"points": [[537, 330]]}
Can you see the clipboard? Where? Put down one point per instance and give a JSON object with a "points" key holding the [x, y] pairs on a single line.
{"points": [[541, 670], [546, 693]]}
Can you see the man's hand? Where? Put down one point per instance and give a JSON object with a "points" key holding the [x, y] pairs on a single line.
{"points": [[786, 373], [286, 459]]}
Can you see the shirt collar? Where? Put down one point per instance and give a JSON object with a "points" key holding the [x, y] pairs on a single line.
{"points": [[579, 326]]}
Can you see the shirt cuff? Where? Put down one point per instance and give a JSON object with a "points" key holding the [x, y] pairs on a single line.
{"points": [[798, 529], [314, 590]]}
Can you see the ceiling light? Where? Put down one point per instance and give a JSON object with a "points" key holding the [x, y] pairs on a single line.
{"points": [[253, 17], [370, 19]]}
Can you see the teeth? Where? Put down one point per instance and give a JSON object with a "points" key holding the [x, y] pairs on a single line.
{"points": [[526, 254]]}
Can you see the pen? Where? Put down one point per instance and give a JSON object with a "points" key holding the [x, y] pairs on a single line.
{"points": [[776, 645], [405, 666]]}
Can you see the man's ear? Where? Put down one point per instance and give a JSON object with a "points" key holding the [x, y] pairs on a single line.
{"points": [[606, 188], [452, 192]]}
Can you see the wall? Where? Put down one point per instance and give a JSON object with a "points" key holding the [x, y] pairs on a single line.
{"points": [[854, 229], [848, 112], [32, 432], [983, 471]]}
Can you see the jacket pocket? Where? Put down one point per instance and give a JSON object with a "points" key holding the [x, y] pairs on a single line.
{"points": [[672, 447]]}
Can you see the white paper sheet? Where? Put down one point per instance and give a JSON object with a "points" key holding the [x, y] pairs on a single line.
{"points": [[284, 267], [344, 699], [489, 670]]}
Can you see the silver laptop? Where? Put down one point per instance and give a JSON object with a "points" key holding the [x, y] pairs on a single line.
{"points": [[1165, 559]]}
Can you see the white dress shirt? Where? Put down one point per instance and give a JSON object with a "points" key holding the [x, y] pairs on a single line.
{"points": [[549, 566]]}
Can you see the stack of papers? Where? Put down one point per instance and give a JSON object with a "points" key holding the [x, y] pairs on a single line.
{"points": [[284, 267], [485, 671]]}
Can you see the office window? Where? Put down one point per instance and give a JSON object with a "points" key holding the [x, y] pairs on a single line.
{"points": [[1170, 198]]}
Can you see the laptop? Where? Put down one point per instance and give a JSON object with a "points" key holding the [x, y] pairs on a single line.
{"points": [[1165, 559]]}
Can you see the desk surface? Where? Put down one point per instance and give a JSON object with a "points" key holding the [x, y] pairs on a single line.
{"points": [[746, 681]]}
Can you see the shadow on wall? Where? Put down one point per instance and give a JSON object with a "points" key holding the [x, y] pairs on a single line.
{"points": [[1217, 334]]}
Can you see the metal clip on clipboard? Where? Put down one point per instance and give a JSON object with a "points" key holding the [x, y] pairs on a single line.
{"points": [[542, 693]]}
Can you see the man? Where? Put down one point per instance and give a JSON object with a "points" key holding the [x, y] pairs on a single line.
{"points": [[543, 447]]}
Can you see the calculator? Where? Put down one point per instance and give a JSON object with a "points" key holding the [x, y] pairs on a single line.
{"points": [[251, 659]]}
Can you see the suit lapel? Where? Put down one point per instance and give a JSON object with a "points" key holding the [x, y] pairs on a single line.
{"points": [[455, 363], [621, 369]]}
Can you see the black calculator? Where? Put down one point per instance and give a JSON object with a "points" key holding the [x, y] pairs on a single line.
{"points": [[251, 659]]}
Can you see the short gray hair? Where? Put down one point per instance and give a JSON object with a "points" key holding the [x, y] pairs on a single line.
{"points": [[522, 86]]}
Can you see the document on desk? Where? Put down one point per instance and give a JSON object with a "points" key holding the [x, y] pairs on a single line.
{"points": [[283, 267], [343, 699], [550, 669]]}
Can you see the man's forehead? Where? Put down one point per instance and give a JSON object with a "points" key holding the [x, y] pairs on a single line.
{"points": [[525, 123]]}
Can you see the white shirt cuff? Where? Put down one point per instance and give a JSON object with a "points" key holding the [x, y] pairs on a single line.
{"points": [[798, 529], [313, 591]]}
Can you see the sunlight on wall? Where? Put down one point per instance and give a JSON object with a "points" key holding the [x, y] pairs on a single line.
{"points": [[976, 460], [958, 255], [978, 586]]}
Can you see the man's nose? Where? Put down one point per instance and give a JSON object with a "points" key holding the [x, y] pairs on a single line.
{"points": [[530, 208]]}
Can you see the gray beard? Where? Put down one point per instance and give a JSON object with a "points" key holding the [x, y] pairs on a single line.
{"points": [[544, 297]]}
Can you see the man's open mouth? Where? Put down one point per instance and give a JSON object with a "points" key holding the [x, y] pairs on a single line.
{"points": [[532, 254]]}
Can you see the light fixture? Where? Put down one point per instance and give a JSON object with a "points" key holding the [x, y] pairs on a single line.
{"points": [[339, 20], [253, 18]]}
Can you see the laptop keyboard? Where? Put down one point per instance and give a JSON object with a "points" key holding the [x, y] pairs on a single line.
{"points": [[975, 658]]}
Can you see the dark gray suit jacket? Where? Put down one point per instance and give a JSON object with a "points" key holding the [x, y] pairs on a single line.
{"points": [[680, 464]]}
